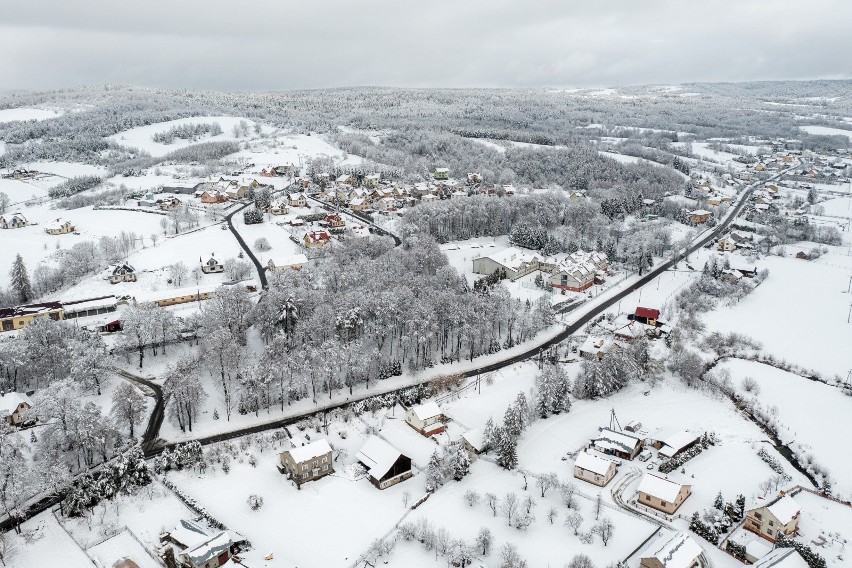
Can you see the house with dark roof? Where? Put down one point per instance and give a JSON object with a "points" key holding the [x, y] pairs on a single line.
{"points": [[385, 465], [620, 444]]}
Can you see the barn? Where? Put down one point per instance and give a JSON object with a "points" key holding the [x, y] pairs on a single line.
{"points": [[386, 466]]}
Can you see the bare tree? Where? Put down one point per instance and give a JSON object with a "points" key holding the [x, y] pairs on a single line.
{"points": [[568, 491], [128, 406], [484, 541], [471, 497], [574, 520], [546, 482], [492, 501], [580, 561], [509, 507], [604, 529]]}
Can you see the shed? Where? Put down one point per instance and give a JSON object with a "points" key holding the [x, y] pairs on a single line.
{"points": [[386, 466]]}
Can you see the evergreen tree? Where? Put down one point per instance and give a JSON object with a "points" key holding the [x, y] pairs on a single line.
{"points": [[488, 436], [459, 462], [719, 503], [434, 472], [20, 281], [507, 457]]}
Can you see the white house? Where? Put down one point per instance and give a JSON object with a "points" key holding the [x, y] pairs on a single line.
{"points": [[197, 547], [426, 418], [13, 221], [680, 551], [662, 494], [594, 469], [212, 266], [13, 405]]}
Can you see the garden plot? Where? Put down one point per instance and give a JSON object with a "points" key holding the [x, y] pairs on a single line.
{"points": [[353, 513], [818, 337], [141, 137], [797, 401], [667, 406], [541, 543]]}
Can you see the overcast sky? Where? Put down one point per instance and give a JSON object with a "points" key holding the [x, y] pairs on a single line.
{"points": [[286, 44]]}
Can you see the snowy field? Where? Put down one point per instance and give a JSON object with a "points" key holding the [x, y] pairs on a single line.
{"points": [[293, 149], [791, 319], [827, 519], [14, 114], [44, 542], [141, 137], [797, 401], [826, 131]]}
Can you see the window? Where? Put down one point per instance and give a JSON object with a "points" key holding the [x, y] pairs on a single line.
{"points": [[324, 459], [769, 532], [662, 503], [325, 468], [647, 497], [306, 475], [771, 523], [758, 516], [304, 467]]}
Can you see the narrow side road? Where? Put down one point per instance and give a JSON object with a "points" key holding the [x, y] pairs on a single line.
{"points": [[261, 270]]}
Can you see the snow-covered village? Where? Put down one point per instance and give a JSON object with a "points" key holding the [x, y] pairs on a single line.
{"points": [[580, 320]]}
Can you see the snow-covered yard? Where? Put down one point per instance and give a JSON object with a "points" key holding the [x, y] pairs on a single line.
{"points": [[798, 313], [796, 401]]}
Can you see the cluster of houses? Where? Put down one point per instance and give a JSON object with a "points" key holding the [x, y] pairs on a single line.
{"points": [[599, 462], [384, 465], [55, 227], [192, 545], [19, 174], [574, 272], [622, 331]]}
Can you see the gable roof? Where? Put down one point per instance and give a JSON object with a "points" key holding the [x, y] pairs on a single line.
{"points": [[678, 552], [673, 443], [427, 410], [650, 313], [476, 438], [664, 489], [621, 441], [782, 558], [208, 549], [378, 455], [593, 463], [310, 451], [784, 509], [10, 402], [189, 534]]}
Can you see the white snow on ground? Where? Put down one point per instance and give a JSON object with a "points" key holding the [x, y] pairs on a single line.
{"points": [[798, 402], [624, 159], [490, 144], [141, 137], [13, 114], [20, 190], [47, 544], [826, 131], [542, 544], [838, 207], [62, 170], [822, 517], [354, 512], [798, 313], [119, 547], [293, 149]]}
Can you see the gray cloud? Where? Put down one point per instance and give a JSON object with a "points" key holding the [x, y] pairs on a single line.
{"points": [[281, 44]]}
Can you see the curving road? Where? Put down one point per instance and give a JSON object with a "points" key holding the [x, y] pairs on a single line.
{"points": [[261, 271], [155, 420], [528, 354]]}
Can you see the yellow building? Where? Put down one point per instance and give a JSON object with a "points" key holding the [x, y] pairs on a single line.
{"points": [[19, 317]]}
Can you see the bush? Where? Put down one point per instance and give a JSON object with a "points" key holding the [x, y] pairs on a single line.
{"points": [[262, 244], [253, 217]]}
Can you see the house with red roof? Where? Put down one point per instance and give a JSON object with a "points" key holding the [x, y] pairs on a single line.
{"points": [[316, 239]]}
